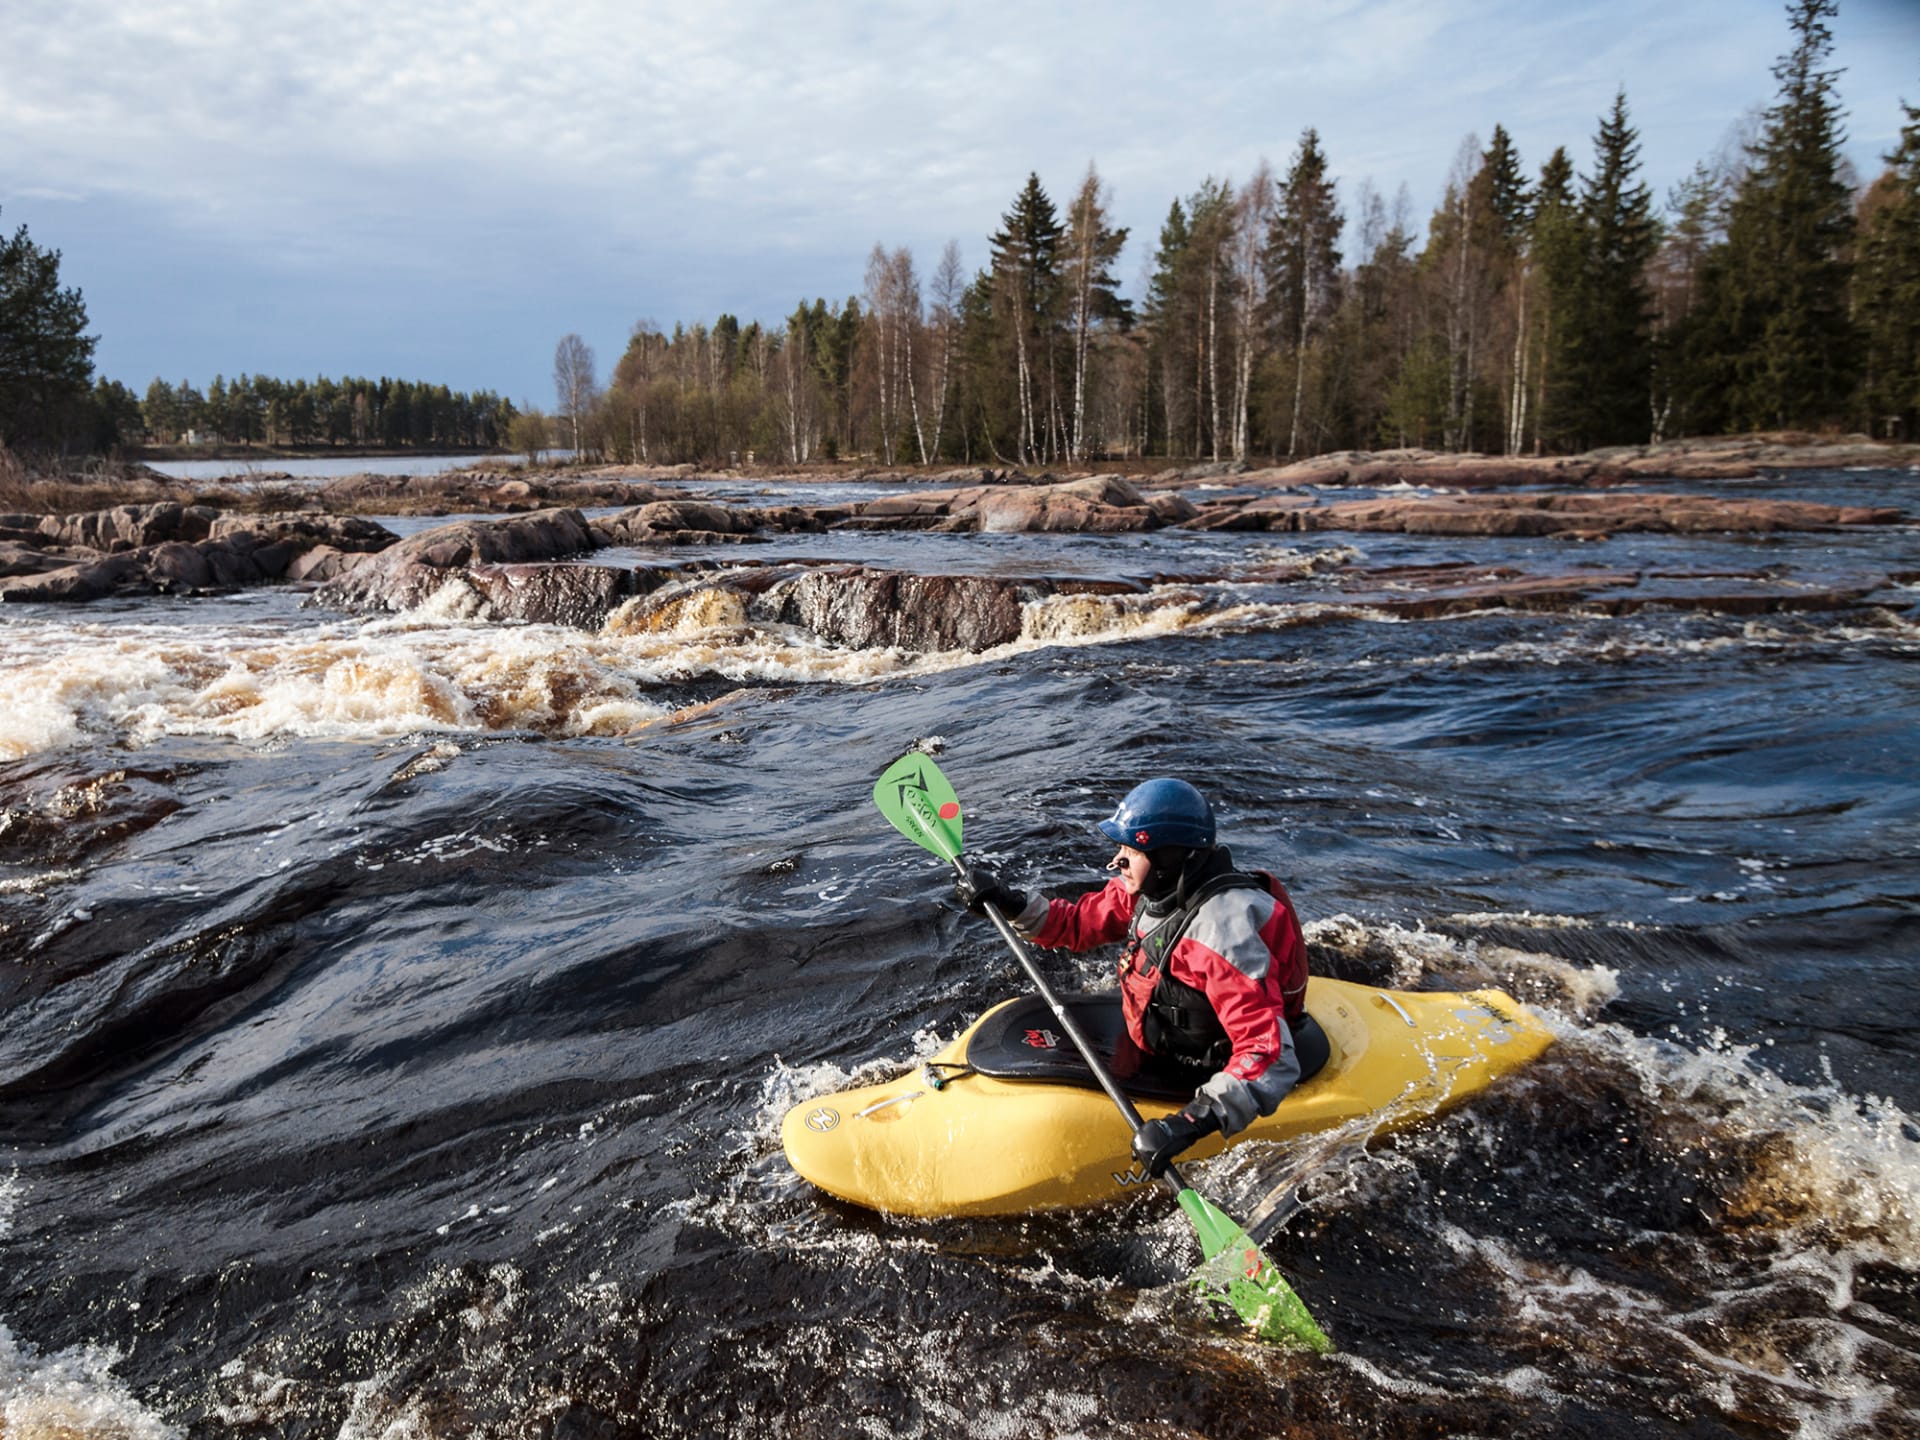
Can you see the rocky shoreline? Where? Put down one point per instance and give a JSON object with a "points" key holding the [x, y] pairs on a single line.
{"points": [[533, 563]]}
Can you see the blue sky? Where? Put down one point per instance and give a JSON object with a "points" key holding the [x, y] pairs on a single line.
{"points": [[441, 191]]}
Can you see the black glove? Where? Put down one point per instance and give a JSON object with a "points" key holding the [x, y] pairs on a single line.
{"points": [[1158, 1141], [976, 887]]}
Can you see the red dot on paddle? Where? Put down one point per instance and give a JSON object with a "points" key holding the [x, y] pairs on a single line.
{"points": [[949, 811]]}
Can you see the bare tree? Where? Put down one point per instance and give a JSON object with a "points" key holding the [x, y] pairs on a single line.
{"points": [[573, 382], [1252, 214], [1092, 247], [949, 284]]}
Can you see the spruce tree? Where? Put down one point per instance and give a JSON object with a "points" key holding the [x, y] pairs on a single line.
{"points": [[1782, 293], [1612, 353], [1557, 250], [1506, 185], [1164, 320], [1026, 272], [1887, 291], [1302, 261]]}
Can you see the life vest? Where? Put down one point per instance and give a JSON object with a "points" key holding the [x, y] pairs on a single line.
{"points": [[1176, 1019]]}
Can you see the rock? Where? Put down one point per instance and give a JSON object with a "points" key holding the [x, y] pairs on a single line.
{"points": [[482, 490], [1094, 504], [869, 609], [322, 562], [74, 583], [21, 559], [128, 527], [306, 529], [407, 573], [1554, 514], [178, 566], [676, 521], [582, 596]]}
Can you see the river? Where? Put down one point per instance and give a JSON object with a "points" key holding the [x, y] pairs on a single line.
{"points": [[400, 1013]]}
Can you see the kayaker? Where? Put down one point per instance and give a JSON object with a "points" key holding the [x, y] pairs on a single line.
{"points": [[1214, 968]]}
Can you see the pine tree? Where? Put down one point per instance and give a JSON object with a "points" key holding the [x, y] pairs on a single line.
{"points": [[46, 358], [1781, 292], [1887, 290]]}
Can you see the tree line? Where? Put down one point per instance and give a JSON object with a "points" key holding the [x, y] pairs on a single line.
{"points": [[1540, 311], [384, 413], [1537, 311], [50, 399]]}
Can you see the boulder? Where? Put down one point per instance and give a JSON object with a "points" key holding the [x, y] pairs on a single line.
{"points": [[90, 580], [1093, 504], [305, 529], [17, 558], [407, 573], [676, 521], [870, 609], [321, 563], [127, 527], [582, 596]]}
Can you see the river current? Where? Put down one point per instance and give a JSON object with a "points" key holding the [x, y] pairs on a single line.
{"points": [[399, 1014]]}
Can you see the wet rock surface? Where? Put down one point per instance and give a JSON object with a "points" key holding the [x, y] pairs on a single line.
{"points": [[406, 574], [167, 548]]}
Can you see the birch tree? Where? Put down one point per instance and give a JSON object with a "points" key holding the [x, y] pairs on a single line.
{"points": [[1091, 248], [1252, 217], [949, 287], [574, 384]]}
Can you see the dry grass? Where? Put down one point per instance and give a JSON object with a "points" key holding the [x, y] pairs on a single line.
{"points": [[86, 485]]}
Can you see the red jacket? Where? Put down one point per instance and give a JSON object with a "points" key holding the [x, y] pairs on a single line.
{"points": [[1243, 950]]}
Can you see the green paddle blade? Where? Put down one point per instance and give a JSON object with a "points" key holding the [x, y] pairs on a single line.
{"points": [[916, 797], [1238, 1275]]}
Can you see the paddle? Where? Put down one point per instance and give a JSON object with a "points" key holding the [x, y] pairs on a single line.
{"points": [[916, 797]]}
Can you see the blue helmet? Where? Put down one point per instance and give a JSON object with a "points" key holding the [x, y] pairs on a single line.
{"points": [[1161, 812]]}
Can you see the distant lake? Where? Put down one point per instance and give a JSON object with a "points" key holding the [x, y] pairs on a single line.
{"points": [[332, 467]]}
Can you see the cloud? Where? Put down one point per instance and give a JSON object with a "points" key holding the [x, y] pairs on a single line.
{"points": [[674, 159]]}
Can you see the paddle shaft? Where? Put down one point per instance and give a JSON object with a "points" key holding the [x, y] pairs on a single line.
{"points": [[1171, 1176]]}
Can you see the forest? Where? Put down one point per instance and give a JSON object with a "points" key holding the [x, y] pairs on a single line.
{"points": [[1542, 310], [1539, 311]]}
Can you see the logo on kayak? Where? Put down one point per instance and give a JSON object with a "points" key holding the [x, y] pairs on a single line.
{"points": [[1126, 1179], [1498, 1028], [823, 1119], [1043, 1040]]}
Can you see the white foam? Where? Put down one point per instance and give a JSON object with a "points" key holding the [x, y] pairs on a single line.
{"points": [[73, 1395]]}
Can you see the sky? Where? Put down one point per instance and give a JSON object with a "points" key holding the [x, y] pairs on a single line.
{"points": [[440, 191]]}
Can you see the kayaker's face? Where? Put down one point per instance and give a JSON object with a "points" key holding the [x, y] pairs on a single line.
{"points": [[1132, 866]]}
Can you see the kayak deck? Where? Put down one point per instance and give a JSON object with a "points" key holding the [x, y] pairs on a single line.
{"points": [[949, 1139]]}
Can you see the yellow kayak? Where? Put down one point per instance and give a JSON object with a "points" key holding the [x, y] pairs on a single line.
{"points": [[1007, 1120]]}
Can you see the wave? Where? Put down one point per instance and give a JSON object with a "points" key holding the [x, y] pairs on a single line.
{"points": [[439, 668]]}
